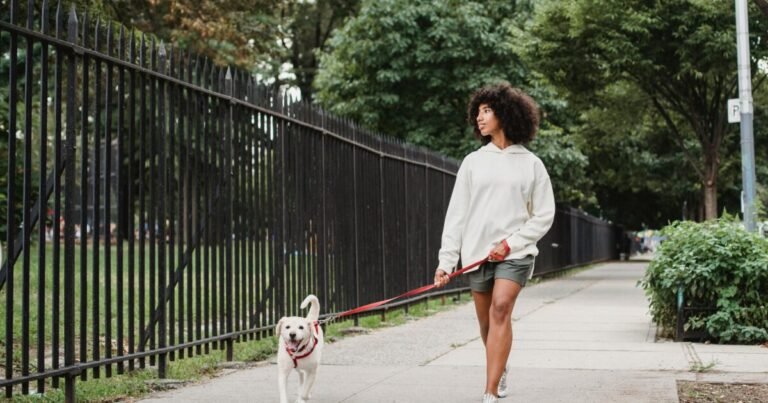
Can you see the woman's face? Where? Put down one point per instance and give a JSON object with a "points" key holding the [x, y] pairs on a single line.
{"points": [[487, 121]]}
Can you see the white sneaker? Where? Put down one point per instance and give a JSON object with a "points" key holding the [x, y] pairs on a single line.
{"points": [[489, 398], [502, 392]]}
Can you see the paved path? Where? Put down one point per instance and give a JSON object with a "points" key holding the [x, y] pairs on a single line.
{"points": [[582, 338]]}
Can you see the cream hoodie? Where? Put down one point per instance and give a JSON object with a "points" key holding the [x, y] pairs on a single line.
{"points": [[498, 194]]}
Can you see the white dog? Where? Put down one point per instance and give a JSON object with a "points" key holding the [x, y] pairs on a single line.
{"points": [[300, 347]]}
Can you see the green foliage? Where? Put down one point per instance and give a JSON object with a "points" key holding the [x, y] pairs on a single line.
{"points": [[559, 148], [677, 61], [566, 165], [276, 40], [720, 266], [640, 177], [20, 130], [407, 68], [311, 24]]}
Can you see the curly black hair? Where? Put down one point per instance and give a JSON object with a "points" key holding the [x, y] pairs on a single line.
{"points": [[517, 112]]}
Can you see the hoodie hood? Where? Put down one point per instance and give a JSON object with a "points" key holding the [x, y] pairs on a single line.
{"points": [[513, 149]]}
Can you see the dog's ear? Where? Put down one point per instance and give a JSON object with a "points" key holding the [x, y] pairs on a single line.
{"points": [[279, 327]]}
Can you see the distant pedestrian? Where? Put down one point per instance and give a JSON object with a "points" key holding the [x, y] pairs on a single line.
{"points": [[502, 204]]}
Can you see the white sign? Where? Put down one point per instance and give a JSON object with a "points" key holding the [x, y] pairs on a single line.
{"points": [[734, 111]]}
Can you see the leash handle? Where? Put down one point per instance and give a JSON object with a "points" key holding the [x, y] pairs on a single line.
{"points": [[410, 293]]}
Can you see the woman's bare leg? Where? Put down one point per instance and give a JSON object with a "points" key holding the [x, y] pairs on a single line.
{"points": [[498, 341], [482, 308]]}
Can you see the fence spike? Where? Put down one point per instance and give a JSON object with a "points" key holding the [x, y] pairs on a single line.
{"points": [[84, 39], [197, 69], [171, 59], [204, 75], [30, 13], [191, 67], [142, 49], [96, 31], [14, 7], [109, 38], [44, 24], [228, 81], [72, 24], [180, 62], [220, 79], [121, 43], [132, 47], [59, 19], [162, 55], [153, 53]]}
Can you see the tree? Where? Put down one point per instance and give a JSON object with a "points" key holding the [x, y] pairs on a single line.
{"points": [[275, 39], [242, 33], [639, 176], [679, 53], [559, 148], [311, 25], [406, 68]]}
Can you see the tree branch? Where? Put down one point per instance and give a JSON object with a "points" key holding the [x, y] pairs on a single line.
{"points": [[678, 137], [763, 6], [760, 82], [673, 98], [718, 112], [667, 92], [328, 30]]}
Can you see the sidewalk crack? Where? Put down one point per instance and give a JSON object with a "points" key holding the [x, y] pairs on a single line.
{"points": [[691, 355]]}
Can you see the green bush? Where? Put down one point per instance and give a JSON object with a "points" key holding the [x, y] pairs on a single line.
{"points": [[720, 266]]}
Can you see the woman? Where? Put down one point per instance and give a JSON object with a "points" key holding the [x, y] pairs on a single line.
{"points": [[502, 204]]}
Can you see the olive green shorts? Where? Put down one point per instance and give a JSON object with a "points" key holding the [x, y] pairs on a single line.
{"points": [[517, 270]]}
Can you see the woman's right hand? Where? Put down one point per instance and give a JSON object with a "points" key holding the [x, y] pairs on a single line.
{"points": [[441, 278]]}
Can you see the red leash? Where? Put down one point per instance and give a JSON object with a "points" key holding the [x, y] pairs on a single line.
{"points": [[407, 294]]}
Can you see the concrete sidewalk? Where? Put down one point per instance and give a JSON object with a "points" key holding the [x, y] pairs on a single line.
{"points": [[583, 338]]}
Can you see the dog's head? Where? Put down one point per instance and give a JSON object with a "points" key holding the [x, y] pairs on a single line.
{"points": [[294, 330]]}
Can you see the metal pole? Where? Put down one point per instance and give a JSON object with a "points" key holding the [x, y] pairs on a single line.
{"points": [[745, 107]]}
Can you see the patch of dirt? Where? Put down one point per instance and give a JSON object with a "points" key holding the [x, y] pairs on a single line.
{"points": [[709, 392]]}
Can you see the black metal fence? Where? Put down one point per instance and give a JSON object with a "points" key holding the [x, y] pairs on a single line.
{"points": [[158, 206], [577, 238]]}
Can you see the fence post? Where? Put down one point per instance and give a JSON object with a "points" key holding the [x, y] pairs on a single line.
{"points": [[679, 322], [228, 132], [382, 249], [11, 225], [27, 202], [161, 178], [42, 196], [323, 238], [355, 188], [69, 216], [406, 212], [426, 219]]}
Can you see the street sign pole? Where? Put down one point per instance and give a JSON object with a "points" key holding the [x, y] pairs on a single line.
{"points": [[746, 110]]}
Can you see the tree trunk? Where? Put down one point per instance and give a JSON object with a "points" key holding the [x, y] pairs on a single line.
{"points": [[711, 168], [710, 200]]}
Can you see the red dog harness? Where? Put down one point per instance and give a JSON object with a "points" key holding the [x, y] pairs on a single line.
{"points": [[292, 353]]}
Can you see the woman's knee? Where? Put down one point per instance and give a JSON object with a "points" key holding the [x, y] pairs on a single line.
{"points": [[501, 310]]}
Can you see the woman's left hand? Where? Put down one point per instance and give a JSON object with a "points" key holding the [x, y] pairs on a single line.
{"points": [[499, 252], [441, 278]]}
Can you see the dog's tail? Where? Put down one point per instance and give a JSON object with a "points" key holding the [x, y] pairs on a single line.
{"points": [[314, 310]]}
